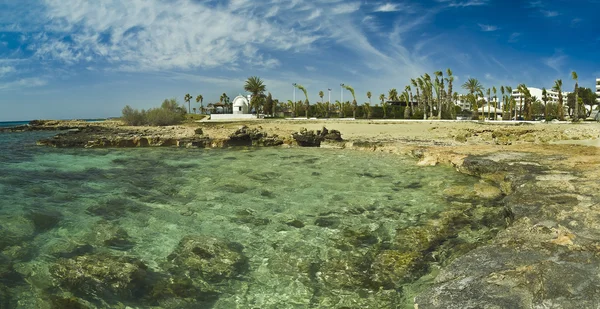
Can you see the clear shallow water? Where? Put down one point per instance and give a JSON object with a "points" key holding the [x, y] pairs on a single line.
{"points": [[299, 228]]}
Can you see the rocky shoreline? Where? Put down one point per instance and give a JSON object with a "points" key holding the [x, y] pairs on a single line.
{"points": [[546, 197]]}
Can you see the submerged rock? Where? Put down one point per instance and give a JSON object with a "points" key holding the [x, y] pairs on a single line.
{"points": [[102, 275], [44, 219], [208, 259], [115, 208], [14, 230]]}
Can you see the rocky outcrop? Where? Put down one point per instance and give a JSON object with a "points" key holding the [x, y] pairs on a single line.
{"points": [[245, 136], [305, 138], [545, 255], [106, 276]]}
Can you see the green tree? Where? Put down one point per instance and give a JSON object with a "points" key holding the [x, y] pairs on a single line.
{"points": [[382, 98], [473, 86], [586, 97], [321, 95], [545, 100], [393, 95], [450, 102], [439, 89], [354, 104], [369, 96], [199, 99], [257, 88], [560, 109], [306, 103], [576, 79], [188, 98], [269, 107]]}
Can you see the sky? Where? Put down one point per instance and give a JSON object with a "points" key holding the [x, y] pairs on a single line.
{"points": [[64, 59]]}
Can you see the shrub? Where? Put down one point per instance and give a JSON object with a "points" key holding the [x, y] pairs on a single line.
{"points": [[169, 113]]}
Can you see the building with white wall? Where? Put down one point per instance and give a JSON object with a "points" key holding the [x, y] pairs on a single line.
{"points": [[598, 90], [537, 92]]}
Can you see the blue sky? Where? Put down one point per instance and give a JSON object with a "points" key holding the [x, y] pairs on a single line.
{"points": [[84, 59]]}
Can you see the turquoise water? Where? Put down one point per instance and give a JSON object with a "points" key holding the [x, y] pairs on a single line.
{"points": [[263, 228], [5, 124]]}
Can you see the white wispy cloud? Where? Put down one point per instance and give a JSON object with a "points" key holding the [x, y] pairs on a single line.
{"points": [[549, 13], [4, 70], [556, 61], [389, 7], [155, 35], [464, 3], [346, 8], [23, 83], [514, 37], [487, 28]]}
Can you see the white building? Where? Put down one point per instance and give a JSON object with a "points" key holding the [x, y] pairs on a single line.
{"points": [[241, 105], [537, 92], [598, 90], [466, 104]]}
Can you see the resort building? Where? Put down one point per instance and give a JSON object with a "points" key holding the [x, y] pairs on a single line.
{"points": [[598, 90], [537, 92], [465, 104]]}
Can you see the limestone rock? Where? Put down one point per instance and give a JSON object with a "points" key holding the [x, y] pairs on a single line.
{"points": [[103, 275], [207, 258]]}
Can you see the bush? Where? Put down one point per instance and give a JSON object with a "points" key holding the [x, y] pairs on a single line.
{"points": [[169, 113]]}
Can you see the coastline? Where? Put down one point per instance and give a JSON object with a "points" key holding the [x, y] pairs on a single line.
{"points": [[550, 197]]}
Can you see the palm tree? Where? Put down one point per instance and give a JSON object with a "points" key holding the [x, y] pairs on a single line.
{"points": [[367, 110], [408, 90], [416, 86], [305, 96], [393, 95], [489, 102], [369, 96], [354, 104], [502, 91], [199, 99], [405, 98], [558, 88], [509, 100], [194, 109], [382, 98], [450, 80], [545, 99], [187, 98], [439, 88], [473, 86], [575, 78], [256, 86], [428, 93], [321, 94]]}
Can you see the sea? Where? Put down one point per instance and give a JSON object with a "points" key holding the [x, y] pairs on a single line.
{"points": [[215, 228]]}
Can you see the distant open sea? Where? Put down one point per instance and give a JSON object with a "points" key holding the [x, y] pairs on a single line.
{"points": [[4, 124], [12, 123]]}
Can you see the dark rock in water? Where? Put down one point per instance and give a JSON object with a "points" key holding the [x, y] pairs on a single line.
{"points": [[79, 250], [295, 223], [207, 259], [315, 174], [70, 303], [245, 136], [371, 175], [115, 208], [44, 219], [307, 138], [391, 268], [14, 230], [120, 241], [267, 193], [330, 222], [106, 276]]}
